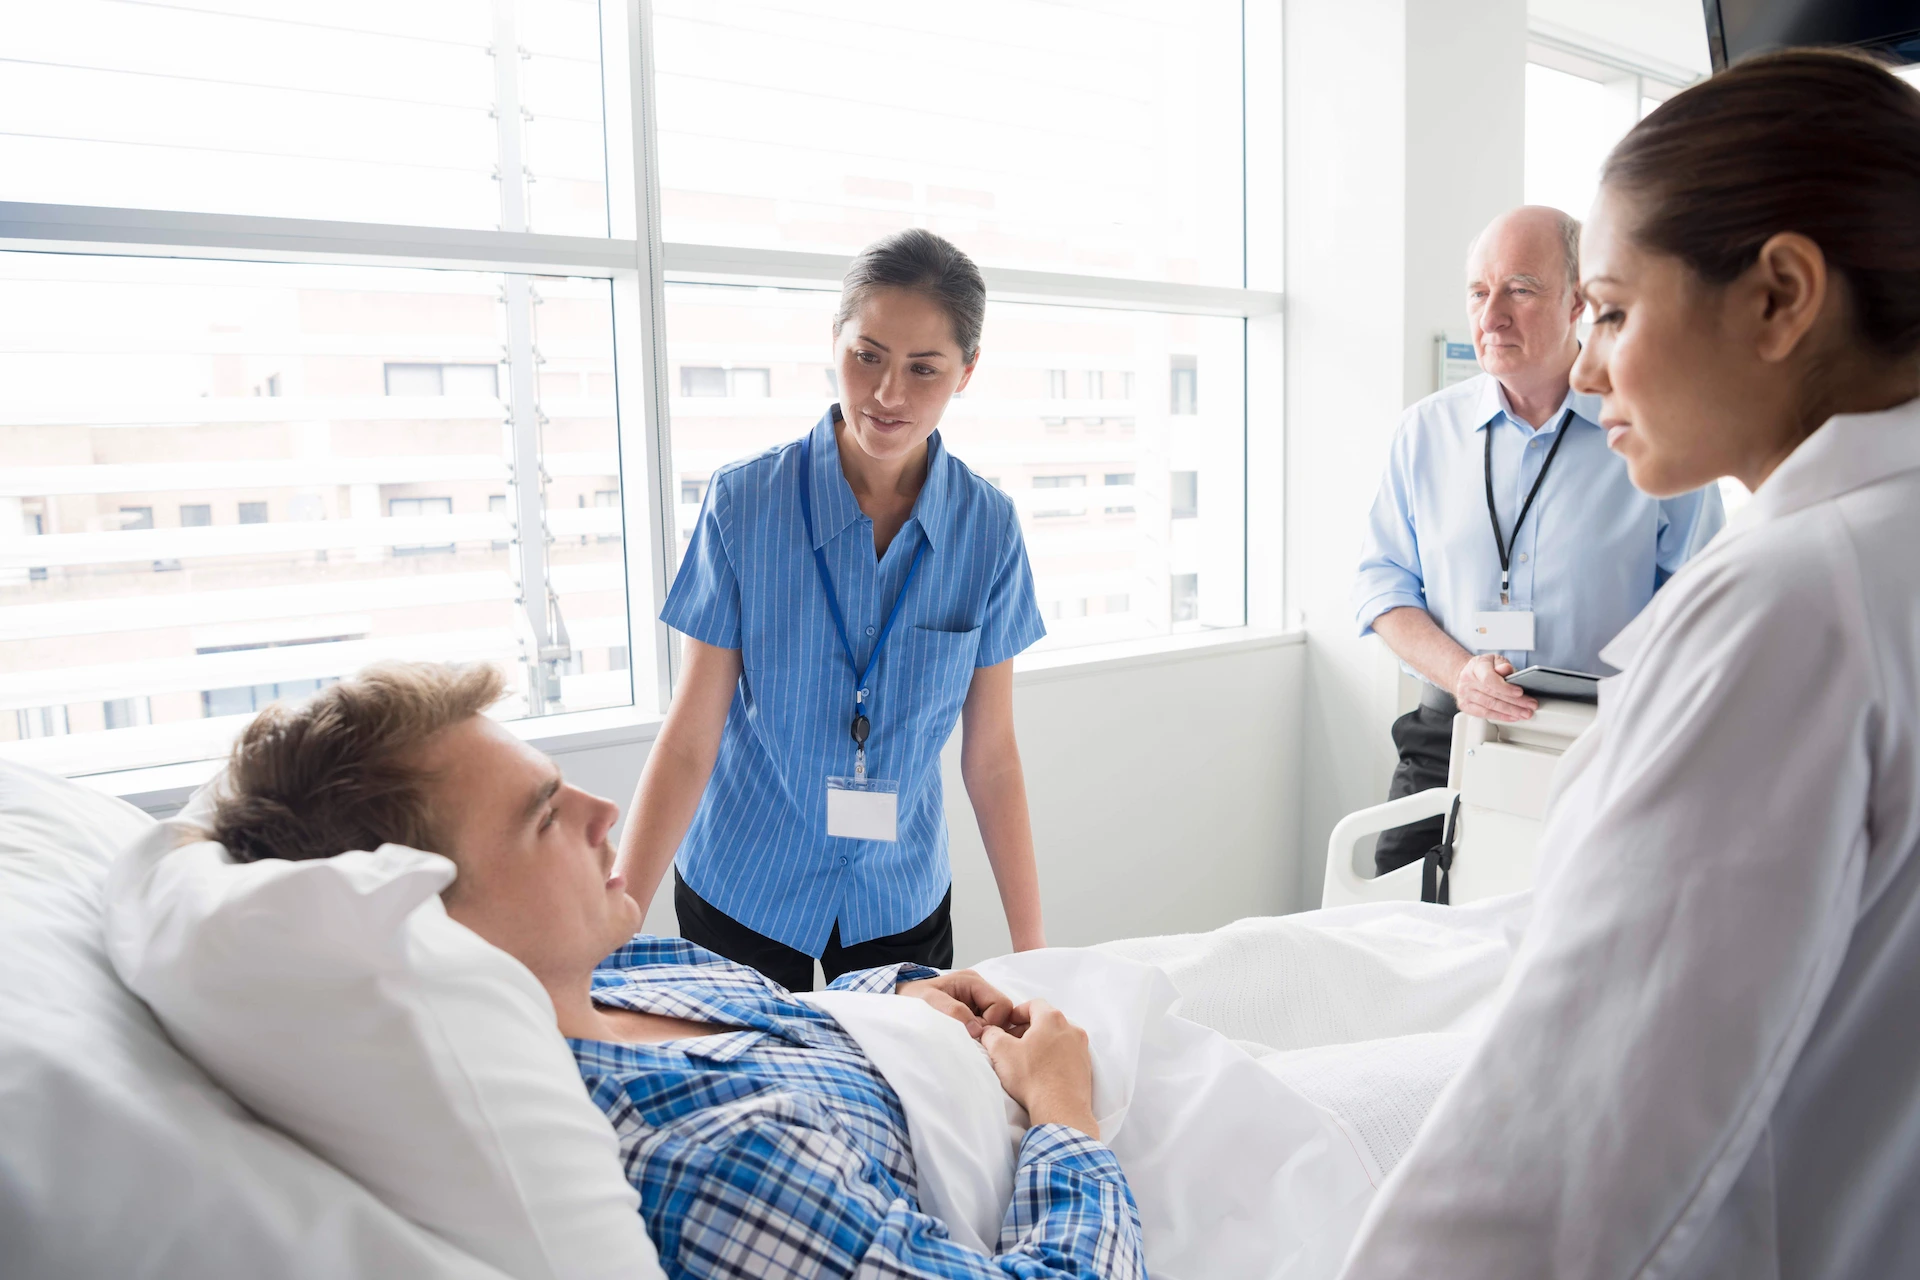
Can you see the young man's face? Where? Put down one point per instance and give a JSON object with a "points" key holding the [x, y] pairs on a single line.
{"points": [[536, 864]]}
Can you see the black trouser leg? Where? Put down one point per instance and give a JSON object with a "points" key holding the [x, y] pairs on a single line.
{"points": [[1425, 739], [708, 926], [929, 943]]}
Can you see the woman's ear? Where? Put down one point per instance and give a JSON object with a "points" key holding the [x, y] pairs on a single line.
{"points": [[1791, 287], [966, 374]]}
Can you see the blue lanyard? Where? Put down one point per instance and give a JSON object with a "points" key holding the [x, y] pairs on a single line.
{"points": [[861, 727]]}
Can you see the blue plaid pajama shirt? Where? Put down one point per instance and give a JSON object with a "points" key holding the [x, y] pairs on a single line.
{"points": [[778, 1151]]}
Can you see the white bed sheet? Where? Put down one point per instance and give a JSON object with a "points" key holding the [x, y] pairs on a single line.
{"points": [[1252, 1160]]}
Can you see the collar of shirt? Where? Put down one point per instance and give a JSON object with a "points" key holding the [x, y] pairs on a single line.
{"points": [[672, 978], [1493, 404], [751, 1025], [1850, 451], [834, 507]]}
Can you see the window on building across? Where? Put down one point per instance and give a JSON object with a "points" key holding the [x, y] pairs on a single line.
{"points": [[442, 380], [127, 713], [607, 503], [702, 380], [1185, 376], [1054, 507], [242, 700], [1183, 495], [196, 515], [497, 506], [40, 722], [417, 508], [1186, 597]]}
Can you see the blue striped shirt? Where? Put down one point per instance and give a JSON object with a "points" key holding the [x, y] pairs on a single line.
{"points": [[777, 1152], [758, 848]]}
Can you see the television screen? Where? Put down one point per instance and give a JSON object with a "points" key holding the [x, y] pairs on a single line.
{"points": [[1736, 28]]}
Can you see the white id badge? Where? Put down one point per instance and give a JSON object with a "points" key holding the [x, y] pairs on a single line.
{"points": [[1507, 629], [863, 808]]}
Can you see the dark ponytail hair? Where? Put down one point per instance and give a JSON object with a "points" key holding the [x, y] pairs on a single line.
{"points": [[1821, 142], [918, 259]]}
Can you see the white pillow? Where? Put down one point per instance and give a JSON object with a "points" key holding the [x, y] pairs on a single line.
{"points": [[119, 1156], [337, 999]]}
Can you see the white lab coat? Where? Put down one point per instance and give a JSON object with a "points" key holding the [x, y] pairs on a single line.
{"points": [[1709, 1059]]}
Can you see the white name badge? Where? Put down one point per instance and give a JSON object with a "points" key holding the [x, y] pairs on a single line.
{"points": [[863, 808], [1507, 629]]}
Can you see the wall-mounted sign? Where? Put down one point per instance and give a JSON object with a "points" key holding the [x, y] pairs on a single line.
{"points": [[1452, 362]]}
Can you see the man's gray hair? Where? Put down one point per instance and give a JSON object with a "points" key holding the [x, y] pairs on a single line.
{"points": [[1569, 227]]}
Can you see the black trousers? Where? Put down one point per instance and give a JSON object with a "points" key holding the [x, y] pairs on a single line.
{"points": [[930, 942], [1425, 739]]}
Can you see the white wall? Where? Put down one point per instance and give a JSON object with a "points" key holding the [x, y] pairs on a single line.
{"points": [[1164, 789], [1405, 133], [1165, 796], [1466, 143]]}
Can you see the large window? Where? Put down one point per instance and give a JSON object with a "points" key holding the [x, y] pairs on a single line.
{"points": [[361, 405], [338, 334], [1100, 137], [361, 112], [1579, 103], [1090, 157]]}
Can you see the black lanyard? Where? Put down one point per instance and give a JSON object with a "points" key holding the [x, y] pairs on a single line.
{"points": [[1505, 545], [860, 691]]}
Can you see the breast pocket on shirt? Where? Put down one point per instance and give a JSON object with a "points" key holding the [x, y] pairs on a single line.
{"points": [[934, 672]]}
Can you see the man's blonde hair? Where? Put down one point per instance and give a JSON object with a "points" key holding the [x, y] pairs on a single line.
{"points": [[339, 772]]}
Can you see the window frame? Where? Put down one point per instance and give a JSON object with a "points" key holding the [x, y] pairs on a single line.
{"points": [[639, 265]]}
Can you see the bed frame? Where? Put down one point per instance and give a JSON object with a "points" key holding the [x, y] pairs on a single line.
{"points": [[1501, 772]]}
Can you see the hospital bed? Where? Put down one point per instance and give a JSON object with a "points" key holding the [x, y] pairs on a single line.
{"points": [[1500, 773], [124, 1155]]}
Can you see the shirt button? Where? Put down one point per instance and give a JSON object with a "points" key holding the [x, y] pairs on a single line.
{"points": [[1534, 445], [1523, 557], [869, 630], [843, 862]]}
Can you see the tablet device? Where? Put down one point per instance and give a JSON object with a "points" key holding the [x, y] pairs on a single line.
{"points": [[1552, 682]]}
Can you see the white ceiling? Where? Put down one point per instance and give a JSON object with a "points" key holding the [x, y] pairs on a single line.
{"points": [[1658, 31]]}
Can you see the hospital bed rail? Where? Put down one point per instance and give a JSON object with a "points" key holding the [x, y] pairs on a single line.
{"points": [[1502, 774]]}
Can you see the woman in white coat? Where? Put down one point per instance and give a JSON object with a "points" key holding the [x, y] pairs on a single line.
{"points": [[1709, 1061]]}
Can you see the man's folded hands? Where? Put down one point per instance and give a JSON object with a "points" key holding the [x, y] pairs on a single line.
{"points": [[968, 999]]}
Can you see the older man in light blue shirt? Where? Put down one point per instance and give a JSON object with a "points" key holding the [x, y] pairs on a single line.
{"points": [[1588, 551]]}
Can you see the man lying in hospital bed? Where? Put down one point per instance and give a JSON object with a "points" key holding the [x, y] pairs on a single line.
{"points": [[970, 1130]]}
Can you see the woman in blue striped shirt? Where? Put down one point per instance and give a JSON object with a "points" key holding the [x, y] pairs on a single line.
{"points": [[846, 599]]}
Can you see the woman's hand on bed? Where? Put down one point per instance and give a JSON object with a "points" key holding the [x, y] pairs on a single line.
{"points": [[967, 998], [1048, 1070]]}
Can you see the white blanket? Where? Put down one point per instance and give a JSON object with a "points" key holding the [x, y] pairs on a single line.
{"points": [[1253, 1160], [1236, 1174], [1367, 1010]]}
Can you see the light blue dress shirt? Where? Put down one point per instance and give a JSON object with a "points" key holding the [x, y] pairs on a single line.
{"points": [[758, 848], [1593, 551]]}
